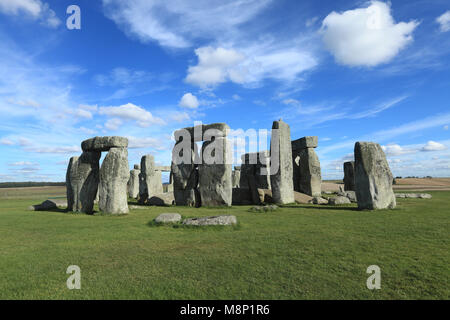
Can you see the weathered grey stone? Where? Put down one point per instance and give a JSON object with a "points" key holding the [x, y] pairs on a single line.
{"points": [[162, 199], [133, 184], [281, 157], [150, 180], [373, 177], [48, 205], [211, 221], [351, 195], [137, 167], [338, 200], [215, 184], [184, 175], [302, 198], [413, 195], [266, 208], [104, 143], [349, 176], [305, 142], [82, 180], [114, 175], [167, 187], [236, 177], [319, 200], [307, 177], [255, 173], [168, 218]]}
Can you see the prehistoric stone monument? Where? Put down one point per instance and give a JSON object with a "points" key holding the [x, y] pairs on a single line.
{"points": [[306, 167], [255, 173], [84, 178], [150, 180], [207, 182], [349, 176], [281, 163], [133, 183], [373, 178]]}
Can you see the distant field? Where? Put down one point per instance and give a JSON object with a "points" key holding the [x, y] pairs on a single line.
{"points": [[298, 252], [32, 193]]}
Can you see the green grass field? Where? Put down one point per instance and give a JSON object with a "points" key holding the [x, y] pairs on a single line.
{"points": [[297, 252]]}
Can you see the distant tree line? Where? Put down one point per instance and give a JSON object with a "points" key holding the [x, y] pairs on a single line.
{"points": [[30, 184]]}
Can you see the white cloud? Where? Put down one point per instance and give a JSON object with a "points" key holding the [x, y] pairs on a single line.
{"points": [[433, 146], [444, 21], [366, 36], [396, 150], [23, 163], [130, 111], [34, 8], [123, 77], [215, 65], [55, 150], [189, 101], [113, 124], [6, 142], [174, 23], [446, 127], [250, 64], [148, 142], [236, 97]]}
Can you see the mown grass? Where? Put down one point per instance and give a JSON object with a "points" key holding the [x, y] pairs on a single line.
{"points": [[296, 252]]}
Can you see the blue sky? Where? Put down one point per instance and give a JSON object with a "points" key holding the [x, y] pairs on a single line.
{"points": [[345, 71]]}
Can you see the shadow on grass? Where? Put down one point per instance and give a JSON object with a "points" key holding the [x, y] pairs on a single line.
{"points": [[325, 207]]}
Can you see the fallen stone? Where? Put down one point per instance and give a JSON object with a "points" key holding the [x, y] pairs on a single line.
{"points": [[413, 195], [319, 200], [351, 195], [338, 200], [373, 177], [44, 206], [302, 198], [168, 218], [162, 199], [211, 221], [104, 143], [266, 208]]}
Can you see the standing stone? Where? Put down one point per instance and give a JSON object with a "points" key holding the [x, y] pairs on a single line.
{"points": [[236, 177], [349, 176], [150, 179], [373, 177], [114, 175], [133, 183], [185, 179], [255, 173], [281, 163], [215, 183], [82, 181], [307, 177]]}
